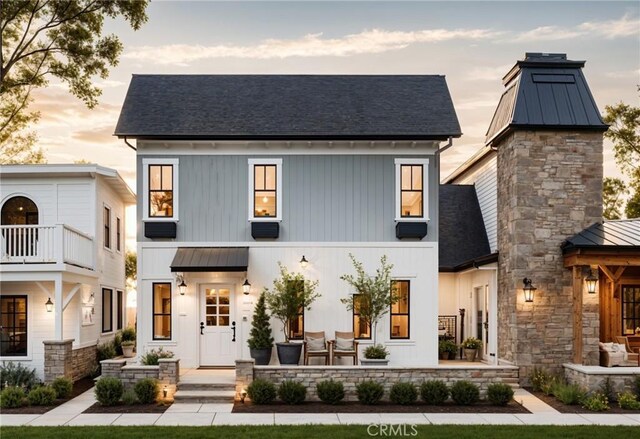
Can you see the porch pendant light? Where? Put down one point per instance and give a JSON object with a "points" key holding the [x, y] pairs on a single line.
{"points": [[592, 282], [528, 290], [182, 287], [304, 262], [246, 287], [49, 305]]}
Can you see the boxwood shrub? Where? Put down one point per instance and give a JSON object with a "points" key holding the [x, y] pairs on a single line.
{"points": [[330, 392], [403, 393], [292, 392], [146, 390], [465, 393], [434, 392], [63, 387], [43, 395], [109, 390], [499, 393], [12, 397], [261, 391], [369, 392]]}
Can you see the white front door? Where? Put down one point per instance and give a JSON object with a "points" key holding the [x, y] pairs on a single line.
{"points": [[217, 325]]}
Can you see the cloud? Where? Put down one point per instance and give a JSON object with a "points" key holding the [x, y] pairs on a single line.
{"points": [[626, 26], [101, 134], [311, 45], [488, 73]]}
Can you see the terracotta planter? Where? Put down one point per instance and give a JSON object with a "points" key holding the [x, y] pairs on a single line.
{"points": [[470, 354]]}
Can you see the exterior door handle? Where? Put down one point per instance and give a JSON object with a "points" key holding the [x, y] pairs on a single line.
{"points": [[201, 328], [233, 328]]}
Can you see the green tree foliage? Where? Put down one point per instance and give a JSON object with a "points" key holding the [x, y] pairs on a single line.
{"points": [[613, 192], [63, 39], [260, 335], [131, 266]]}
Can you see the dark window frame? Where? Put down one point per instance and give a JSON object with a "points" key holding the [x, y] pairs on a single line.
{"points": [[120, 309], [154, 313], [274, 190], [408, 313], [402, 191], [118, 234], [106, 218], [151, 191], [636, 317], [14, 313], [353, 321], [104, 308]]}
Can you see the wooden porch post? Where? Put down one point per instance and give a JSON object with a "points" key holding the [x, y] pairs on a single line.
{"points": [[577, 314], [58, 307]]}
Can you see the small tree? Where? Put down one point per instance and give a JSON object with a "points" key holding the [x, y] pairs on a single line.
{"points": [[260, 335], [291, 292], [375, 295]]}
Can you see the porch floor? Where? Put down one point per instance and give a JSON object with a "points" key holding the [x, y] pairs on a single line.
{"points": [[217, 376]]}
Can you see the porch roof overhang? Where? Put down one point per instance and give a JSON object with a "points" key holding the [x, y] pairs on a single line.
{"points": [[607, 243], [203, 259]]}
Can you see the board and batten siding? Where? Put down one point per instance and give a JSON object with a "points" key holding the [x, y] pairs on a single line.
{"points": [[326, 198], [485, 179]]}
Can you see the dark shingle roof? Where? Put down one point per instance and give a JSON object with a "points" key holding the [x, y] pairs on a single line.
{"points": [[210, 259], [545, 91], [288, 106], [462, 236], [619, 234]]}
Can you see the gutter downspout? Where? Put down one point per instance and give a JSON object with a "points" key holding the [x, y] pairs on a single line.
{"points": [[445, 147], [128, 144]]}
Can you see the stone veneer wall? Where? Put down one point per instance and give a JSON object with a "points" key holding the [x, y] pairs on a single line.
{"points": [[167, 372], [57, 359], [622, 378], [549, 188], [350, 376], [83, 362]]}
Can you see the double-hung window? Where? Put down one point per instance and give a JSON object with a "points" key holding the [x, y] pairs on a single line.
{"points": [[13, 321], [107, 227], [107, 310], [411, 189], [160, 190], [400, 310], [118, 234], [265, 189], [162, 311]]}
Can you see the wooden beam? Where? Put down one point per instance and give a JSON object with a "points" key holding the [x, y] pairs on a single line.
{"points": [[594, 259], [608, 273], [67, 299], [620, 272], [577, 315]]}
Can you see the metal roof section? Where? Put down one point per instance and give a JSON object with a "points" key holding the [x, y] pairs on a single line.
{"points": [[545, 91], [474, 160], [618, 235], [288, 107], [200, 259]]}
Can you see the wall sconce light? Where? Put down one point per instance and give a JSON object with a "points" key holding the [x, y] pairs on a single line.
{"points": [[165, 390], [243, 395], [528, 290], [304, 262], [182, 287], [49, 305], [592, 282], [246, 287]]}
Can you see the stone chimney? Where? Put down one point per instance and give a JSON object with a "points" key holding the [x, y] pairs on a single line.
{"points": [[547, 132]]}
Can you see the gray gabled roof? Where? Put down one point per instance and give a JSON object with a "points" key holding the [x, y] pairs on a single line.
{"points": [[545, 91], [462, 236], [618, 234], [416, 107]]}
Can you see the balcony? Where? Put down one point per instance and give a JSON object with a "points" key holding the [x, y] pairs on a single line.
{"points": [[37, 244]]}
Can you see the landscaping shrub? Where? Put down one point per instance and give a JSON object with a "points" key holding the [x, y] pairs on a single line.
{"points": [[129, 334], [369, 392], [43, 395], [292, 392], [570, 394], [403, 393], [606, 388], [330, 392], [109, 390], [129, 397], [16, 375], [636, 386], [628, 401], [376, 352], [465, 393], [434, 392], [538, 377], [117, 343], [597, 402], [146, 390], [499, 393], [12, 397], [63, 387], [151, 358], [106, 351], [261, 391]]}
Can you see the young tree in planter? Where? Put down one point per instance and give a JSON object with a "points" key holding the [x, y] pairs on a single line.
{"points": [[375, 294], [260, 339]]}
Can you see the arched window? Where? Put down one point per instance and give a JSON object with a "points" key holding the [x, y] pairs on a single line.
{"points": [[19, 211]]}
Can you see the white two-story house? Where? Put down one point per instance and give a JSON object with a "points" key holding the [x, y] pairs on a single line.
{"points": [[62, 249], [237, 173]]}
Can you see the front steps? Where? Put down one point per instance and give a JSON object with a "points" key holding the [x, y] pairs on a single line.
{"points": [[203, 389]]}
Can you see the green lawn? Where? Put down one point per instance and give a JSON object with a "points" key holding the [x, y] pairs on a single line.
{"points": [[320, 432]]}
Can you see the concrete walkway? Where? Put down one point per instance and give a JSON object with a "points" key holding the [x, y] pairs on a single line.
{"points": [[70, 413]]}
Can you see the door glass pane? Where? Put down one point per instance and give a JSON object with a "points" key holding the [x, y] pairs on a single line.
{"points": [[211, 309], [223, 320], [211, 321], [223, 297], [224, 310]]}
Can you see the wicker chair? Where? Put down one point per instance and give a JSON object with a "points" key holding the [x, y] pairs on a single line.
{"points": [[309, 353], [353, 352], [625, 341]]}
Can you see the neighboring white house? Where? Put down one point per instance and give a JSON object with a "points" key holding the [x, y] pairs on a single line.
{"points": [[62, 255]]}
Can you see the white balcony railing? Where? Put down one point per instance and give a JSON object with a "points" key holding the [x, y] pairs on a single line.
{"points": [[26, 244]]}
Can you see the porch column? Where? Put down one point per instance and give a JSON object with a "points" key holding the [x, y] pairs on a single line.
{"points": [[577, 315], [58, 307]]}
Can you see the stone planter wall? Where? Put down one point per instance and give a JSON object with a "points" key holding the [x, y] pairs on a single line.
{"points": [[57, 359], [83, 362], [167, 372], [621, 378], [350, 376]]}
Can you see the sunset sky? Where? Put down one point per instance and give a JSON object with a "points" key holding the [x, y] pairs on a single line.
{"points": [[472, 43]]}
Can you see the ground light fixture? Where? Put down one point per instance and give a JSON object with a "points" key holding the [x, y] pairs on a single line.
{"points": [[528, 290], [246, 287], [165, 390], [304, 262], [243, 395], [182, 287], [592, 282], [49, 305]]}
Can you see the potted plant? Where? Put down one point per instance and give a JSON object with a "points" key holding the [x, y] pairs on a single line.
{"points": [[471, 346], [260, 339], [374, 295], [291, 292], [447, 349], [128, 341]]}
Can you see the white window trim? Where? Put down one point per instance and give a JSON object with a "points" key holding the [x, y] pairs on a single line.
{"points": [[29, 356], [119, 241], [104, 244], [278, 163], [145, 189], [425, 189]]}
